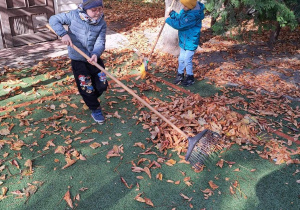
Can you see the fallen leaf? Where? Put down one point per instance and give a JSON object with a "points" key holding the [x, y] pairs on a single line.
{"points": [[60, 149], [213, 185], [4, 191], [184, 196], [148, 202], [231, 190], [86, 141], [15, 163], [95, 145], [220, 163], [28, 163], [139, 198], [69, 162], [125, 183], [170, 162], [139, 144], [30, 190], [159, 176], [67, 198], [147, 171], [177, 182]]}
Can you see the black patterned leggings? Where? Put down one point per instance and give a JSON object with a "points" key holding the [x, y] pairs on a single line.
{"points": [[90, 82]]}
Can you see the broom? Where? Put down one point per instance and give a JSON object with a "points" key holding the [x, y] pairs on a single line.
{"points": [[199, 146], [144, 66]]}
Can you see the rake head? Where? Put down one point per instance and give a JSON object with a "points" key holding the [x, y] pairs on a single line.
{"points": [[201, 147]]}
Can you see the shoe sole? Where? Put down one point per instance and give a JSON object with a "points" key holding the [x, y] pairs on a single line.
{"points": [[177, 83], [188, 84]]}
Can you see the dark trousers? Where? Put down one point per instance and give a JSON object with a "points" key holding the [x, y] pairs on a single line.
{"points": [[89, 83]]}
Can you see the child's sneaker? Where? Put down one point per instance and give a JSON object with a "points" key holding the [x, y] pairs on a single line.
{"points": [[97, 116], [189, 80], [179, 78]]}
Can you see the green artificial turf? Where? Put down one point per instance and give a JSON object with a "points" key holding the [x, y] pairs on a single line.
{"points": [[261, 183]]}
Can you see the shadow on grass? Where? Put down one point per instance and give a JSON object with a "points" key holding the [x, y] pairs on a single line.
{"points": [[279, 189]]}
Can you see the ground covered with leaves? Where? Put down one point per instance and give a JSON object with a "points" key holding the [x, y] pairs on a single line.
{"points": [[54, 156]]}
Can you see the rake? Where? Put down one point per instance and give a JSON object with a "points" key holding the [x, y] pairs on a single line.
{"points": [[200, 146], [144, 66]]}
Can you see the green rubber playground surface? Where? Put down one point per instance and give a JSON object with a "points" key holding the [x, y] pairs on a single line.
{"points": [[50, 146]]}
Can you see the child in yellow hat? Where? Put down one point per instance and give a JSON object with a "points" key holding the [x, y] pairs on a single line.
{"points": [[188, 22]]}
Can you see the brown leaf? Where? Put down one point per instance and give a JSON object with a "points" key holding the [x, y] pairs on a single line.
{"points": [[140, 199], [170, 162], [159, 176], [177, 182], [28, 163], [74, 106], [139, 144], [4, 131], [184, 196], [69, 162], [95, 145], [86, 141], [148, 202], [137, 169], [231, 190], [213, 185], [15, 163], [77, 197], [30, 190], [220, 163], [81, 157], [147, 170], [125, 183], [60, 149], [4, 191], [67, 198], [118, 134]]}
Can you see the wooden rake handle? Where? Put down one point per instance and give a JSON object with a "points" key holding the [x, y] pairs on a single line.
{"points": [[127, 89], [159, 33]]}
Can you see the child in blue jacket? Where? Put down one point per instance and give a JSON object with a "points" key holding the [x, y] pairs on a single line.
{"points": [[188, 22], [87, 31]]}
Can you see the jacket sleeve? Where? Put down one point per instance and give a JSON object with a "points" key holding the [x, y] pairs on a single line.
{"points": [[174, 15], [99, 45], [181, 22], [57, 21]]}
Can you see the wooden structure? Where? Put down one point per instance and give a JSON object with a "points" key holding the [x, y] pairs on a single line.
{"points": [[23, 22]]}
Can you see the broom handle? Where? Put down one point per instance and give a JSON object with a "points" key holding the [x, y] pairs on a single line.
{"points": [[127, 89], [159, 34]]}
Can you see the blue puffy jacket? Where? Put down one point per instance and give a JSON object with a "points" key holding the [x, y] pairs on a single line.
{"points": [[87, 37], [188, 23]]}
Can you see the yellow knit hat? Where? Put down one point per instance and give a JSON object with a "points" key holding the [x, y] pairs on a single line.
{"points": [[189, 3]]}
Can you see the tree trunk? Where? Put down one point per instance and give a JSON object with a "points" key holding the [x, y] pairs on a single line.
{"points": [[274, 35], [168, 41]]}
